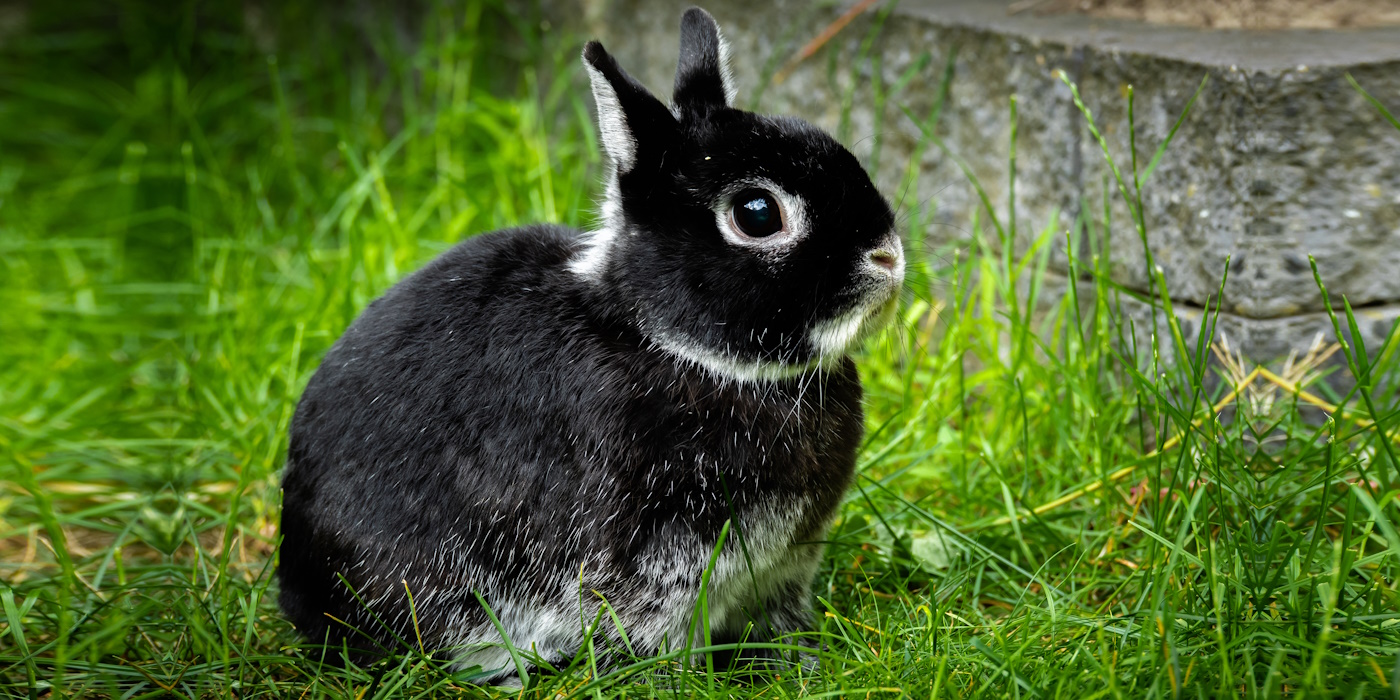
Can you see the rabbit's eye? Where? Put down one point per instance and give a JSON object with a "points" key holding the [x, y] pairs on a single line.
{"points": [[755, 213]]}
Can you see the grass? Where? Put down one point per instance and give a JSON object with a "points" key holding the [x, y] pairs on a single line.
{"points": [[1050, 504]]}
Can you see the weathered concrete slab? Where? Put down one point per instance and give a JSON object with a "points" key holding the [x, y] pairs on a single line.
{"points": [[1280, 158]]}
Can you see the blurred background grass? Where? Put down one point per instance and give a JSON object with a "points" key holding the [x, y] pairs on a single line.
{"points": [[196, 199]]}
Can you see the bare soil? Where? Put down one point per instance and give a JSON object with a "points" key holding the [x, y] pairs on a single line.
{"points": [[1231, 14]]}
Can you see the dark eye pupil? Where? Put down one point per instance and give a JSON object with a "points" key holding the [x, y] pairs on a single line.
{"points": [[756, 214]]}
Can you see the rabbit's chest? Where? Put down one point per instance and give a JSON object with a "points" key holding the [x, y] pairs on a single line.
{"points": [[765, 449]]}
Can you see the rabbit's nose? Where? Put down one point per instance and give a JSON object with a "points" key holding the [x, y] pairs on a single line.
{"points": [[888, 255], [884, 258]]}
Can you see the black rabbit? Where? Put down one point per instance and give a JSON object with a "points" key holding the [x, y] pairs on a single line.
{"points": [[548, 419]]}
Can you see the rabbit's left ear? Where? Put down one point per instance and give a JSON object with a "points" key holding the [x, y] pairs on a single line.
{"points": [[634, 125], [702, 73]]}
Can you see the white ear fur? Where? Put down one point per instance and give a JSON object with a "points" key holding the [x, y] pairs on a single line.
{"points": [[726, 75], [617, 138]]}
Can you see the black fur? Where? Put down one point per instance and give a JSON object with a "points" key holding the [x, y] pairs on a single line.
{"points": [[501, 422], [699, 73]]}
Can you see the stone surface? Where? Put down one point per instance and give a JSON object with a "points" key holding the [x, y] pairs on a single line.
{"points": [[1280, 158], [1236, 14]]}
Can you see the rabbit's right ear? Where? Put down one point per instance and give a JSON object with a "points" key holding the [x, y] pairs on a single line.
{"points": [[632, 122], [703, 80]]}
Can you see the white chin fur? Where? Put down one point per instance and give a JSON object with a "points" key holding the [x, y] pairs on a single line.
{"points": [[836, 336], [728, 368]]}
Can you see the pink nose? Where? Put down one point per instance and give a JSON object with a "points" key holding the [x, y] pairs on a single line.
{"points": [[883, 258]]}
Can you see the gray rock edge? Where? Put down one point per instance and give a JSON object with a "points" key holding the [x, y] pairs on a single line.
{"points": [[1245, 49]]}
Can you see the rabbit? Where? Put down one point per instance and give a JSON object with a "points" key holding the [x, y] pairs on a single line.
{"points": [[547, 421]]}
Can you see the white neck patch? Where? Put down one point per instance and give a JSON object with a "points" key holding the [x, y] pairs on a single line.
{"points": [[597, 245], [593, 257], [727, 367]]}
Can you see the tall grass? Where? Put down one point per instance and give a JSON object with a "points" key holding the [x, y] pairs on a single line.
{"points": [[1052, 501]]}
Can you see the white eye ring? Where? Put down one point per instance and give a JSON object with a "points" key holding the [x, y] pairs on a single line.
{"points": [[791, 209]]}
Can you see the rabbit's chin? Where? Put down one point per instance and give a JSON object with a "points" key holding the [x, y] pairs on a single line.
{"points": [[834, 338]]}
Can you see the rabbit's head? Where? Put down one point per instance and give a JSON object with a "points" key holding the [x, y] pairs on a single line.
{"points": [[754, 246]]}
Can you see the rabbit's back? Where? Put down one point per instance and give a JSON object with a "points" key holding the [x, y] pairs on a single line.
{"points": [[433, 428]]}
